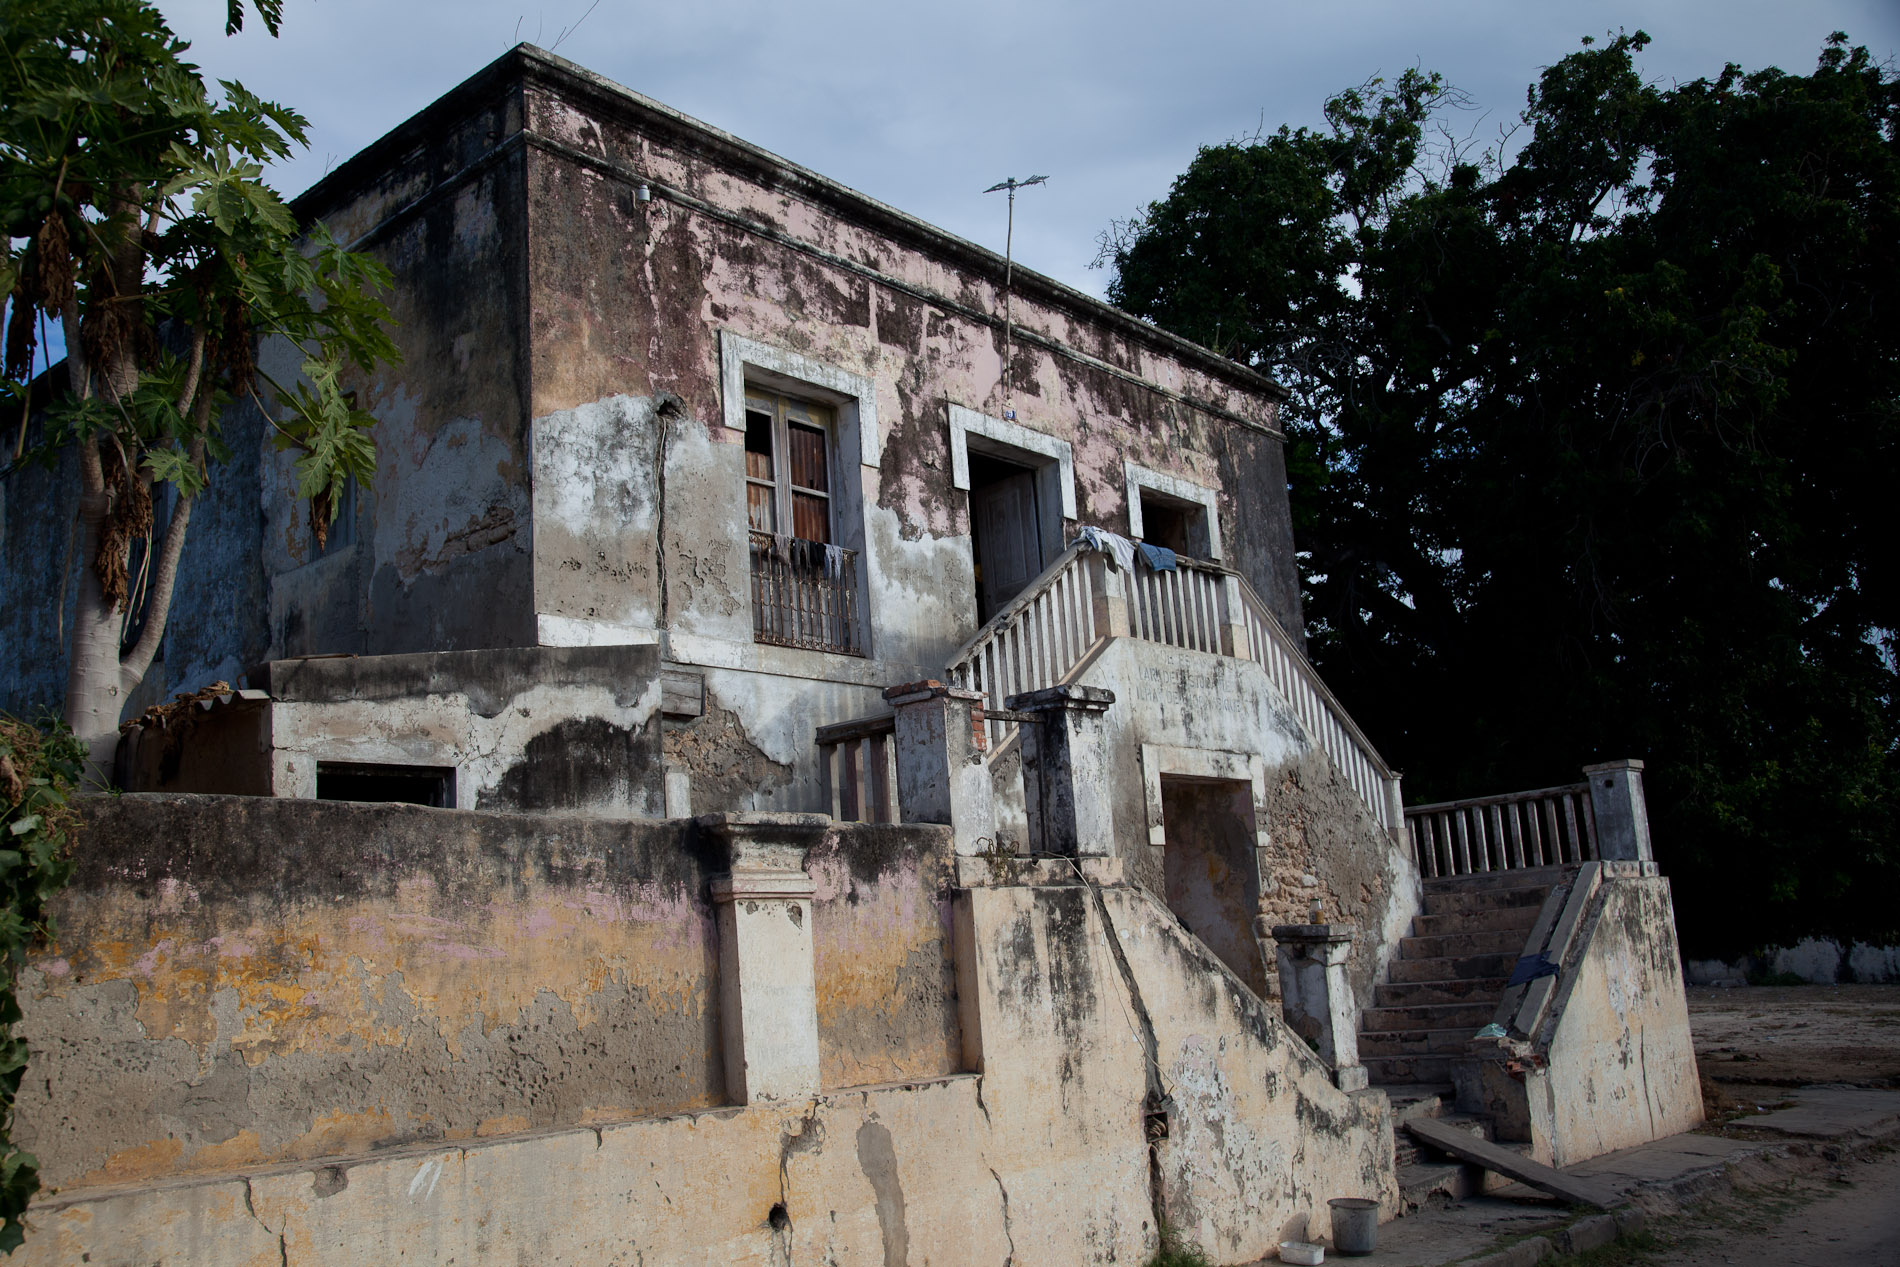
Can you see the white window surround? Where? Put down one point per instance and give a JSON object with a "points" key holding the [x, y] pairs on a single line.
{"points": [[1003, 436], [1140, 477], [853, 397], [1200, 763], [743, 360]]}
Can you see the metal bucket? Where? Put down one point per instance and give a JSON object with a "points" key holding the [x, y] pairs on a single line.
{"points": [[1355, 1226]]}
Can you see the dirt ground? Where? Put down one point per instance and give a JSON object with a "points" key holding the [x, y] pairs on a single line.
{"points": [[1754, 1041], [1753, 1044]]}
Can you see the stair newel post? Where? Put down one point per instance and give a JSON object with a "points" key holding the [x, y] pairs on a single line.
{"points": [[1065, 756], [1108, 590], [1316, 998], [943, 774], [1622, 815]]}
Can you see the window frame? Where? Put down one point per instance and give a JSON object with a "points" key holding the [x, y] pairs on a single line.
{"points": [[787, 410]]}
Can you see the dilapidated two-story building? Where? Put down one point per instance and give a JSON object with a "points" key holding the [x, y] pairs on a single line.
{"points": [[711, 489]]}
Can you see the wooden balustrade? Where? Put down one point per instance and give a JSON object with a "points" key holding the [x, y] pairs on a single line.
{"points": [[859, 764], [1553, 826], [1036, 641]]}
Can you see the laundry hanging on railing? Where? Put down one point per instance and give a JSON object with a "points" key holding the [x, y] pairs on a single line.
{"points": [[1158, 558], [834, 562], [1118, 548]]}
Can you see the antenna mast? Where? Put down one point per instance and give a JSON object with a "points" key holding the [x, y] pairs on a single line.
{"points": [[1009, 281]]}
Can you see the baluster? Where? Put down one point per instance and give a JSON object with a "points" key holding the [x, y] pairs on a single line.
{"points": [[829, 772], [1534, 827], [1576, 836], [1587, 811], [851, 793], [878, 781]]}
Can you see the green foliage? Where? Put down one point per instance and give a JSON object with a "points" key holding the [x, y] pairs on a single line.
{"points": [[137, 218], [38, 772], [1590, 436], [1174, 1252]]}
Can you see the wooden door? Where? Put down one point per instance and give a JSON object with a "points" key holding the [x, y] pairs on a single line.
{"points": [[1008, 547]]}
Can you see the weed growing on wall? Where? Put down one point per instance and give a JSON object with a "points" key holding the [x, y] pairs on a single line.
{"points": [[38, 773]]}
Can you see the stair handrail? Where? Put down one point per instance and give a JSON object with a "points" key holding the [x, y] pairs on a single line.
{"points": [[1544, 827], [1325, 718], [1040, 638]]}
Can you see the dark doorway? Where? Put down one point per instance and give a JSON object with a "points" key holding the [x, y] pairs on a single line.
{"points": [[1005, 525], [405, 784], [1213, 881]]}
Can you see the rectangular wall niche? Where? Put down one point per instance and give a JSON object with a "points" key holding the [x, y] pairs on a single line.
{"points": [[385, 784]]}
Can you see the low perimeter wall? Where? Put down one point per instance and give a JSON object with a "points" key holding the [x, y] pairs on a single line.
{"points": [[284, 1032]]}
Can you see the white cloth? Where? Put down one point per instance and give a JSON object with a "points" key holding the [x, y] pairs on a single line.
{"points": [[1118, 548]]}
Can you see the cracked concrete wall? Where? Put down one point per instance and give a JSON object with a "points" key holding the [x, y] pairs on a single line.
{"points": [[249, 981], [572, 730], [1622, 1065], [1316, 839], [885, 962], [448, 516], [1043, 1157]]}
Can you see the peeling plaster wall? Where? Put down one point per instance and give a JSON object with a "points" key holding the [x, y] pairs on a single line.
{"points": [[217, 627], [886, 969], [1316, 839], [572, 730], [307, 1033], [37, 513], [251, 981], [442, 553], [1622, 1065]]}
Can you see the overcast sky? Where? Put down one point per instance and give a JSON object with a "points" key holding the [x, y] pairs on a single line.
{"points": [[924, 106]]}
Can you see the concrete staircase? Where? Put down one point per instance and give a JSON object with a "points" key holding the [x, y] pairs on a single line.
{"points": [[1444, 986], [1449, 974]]}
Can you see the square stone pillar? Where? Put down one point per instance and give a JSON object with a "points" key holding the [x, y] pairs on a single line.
{"points": [[1616, 794], [1109, 588], [768, 996], [943, 775], [1315, 997], [1065, 753]]}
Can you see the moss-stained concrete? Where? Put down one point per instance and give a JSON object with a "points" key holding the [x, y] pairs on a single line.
{"points": [[285, 1022], [1622, 1065], [250, 981], [886, 971]]}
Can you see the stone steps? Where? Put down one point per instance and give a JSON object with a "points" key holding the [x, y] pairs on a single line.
{"points": [[1455, 902], [1463, 990], [1484, 881], [1497, 919], [1453, 967], [1465, 944], [1416, 1042], [1423, 1067], [1469, 1014]]}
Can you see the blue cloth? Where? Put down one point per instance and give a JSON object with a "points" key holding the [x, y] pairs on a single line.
{"points": [[1531, 967], [1158, 558]]}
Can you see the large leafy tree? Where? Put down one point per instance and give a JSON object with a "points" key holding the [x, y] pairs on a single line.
{"points": [[138, 225], [1591, 431]]}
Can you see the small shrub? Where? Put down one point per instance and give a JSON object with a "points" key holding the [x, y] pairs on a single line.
{"points": [[38, 772], [1174, 1252]]}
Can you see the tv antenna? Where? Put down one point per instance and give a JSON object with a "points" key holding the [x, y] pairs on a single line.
{"points": [[1009, 278]]}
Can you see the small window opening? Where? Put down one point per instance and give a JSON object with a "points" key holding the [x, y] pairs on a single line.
{"points": [[386, 784], [1175, 525]]}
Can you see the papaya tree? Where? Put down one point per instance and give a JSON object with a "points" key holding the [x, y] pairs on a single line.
{"points": [[140, 232]]}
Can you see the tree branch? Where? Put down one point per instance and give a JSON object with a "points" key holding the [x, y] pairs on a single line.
{"points": [[158, 607]]}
